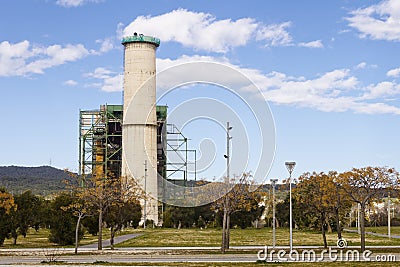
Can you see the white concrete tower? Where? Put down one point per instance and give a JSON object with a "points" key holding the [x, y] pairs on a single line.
{"points": [[139, 130]]}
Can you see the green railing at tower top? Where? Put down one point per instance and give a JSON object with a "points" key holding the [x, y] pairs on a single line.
{"points": [[141, 38]]}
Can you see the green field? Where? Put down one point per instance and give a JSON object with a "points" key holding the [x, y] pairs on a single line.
{"points": [[212, 237], [40, 239], [246, 237], [225, 264]]}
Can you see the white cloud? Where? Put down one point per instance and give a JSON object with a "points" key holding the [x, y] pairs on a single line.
{"points": [[75, 3], [71, 83], [313, 44], [365, 65], [393, 73], [106, 45], [202, 31], [362, 65], [164, 63], [334, 91], [382, 90], [23, 58], [275, 34], [108, 81], [378, 22]]}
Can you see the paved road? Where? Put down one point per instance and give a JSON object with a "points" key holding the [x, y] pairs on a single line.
{"points": [[106, 243], [166, 258], [29, 251], [375, 234]]}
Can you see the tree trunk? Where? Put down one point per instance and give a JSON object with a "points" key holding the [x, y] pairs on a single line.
{"points": [[77, 234], [112, 230], [100, 237], [14, 236], [228, 232], [362, 226], [323, 230], [338, 226], [328, 226], [223, 231]]}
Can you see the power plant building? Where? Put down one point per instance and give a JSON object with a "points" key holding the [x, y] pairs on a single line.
{"points": [[131, 140]]}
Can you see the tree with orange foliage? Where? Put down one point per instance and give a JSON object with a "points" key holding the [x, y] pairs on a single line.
{"points": [[317, 192], [7, 206], [367, 184]]}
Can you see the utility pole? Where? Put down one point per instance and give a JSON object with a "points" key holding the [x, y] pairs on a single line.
{"points": [[145, 198], [388, 215], [227, 156], [273, 183], [358, 219], [290, 166], [225, 235]]}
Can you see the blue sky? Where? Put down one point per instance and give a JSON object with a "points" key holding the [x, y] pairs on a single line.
{"points": [[329, 70]]}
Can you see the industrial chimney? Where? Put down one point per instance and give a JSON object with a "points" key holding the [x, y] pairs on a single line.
{"points": [[139, 129]]}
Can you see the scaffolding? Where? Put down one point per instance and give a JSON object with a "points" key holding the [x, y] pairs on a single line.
{"points": [[100, 142], [179, 160], [100, 146]]}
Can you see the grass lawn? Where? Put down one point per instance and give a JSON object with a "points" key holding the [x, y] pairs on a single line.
{"points": [[228, 264], [244, 237], [40, 239], [211, 237]]}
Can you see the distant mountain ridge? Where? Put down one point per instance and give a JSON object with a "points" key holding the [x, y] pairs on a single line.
{"points": [[43, 180]]}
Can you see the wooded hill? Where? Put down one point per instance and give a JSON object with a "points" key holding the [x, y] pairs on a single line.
{"points": [[43, 180]]}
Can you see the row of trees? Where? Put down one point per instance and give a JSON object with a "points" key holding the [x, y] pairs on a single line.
{"points": [[115, 202], [93, 203], [20, 212], [325, 199], [321, 200], [105, 200]]}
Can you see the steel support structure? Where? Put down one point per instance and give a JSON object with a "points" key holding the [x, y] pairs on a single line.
{"points": [[100, 139]]}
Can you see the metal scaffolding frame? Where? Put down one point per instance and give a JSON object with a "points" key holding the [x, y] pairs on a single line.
{"points": [[178, 144], [100, 145], [100, 142]]}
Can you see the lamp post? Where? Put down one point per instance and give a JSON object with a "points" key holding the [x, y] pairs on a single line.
{"points": [[290, 166], [273, 182], [388, 215], [225, 223], [145, 201]]}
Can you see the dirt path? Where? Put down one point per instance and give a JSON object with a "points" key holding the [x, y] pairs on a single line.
{"points": [[372, 233], [117, 239]]}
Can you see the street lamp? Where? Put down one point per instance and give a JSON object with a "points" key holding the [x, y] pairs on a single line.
{"points": [[145, 202], [225, 226], [273, 182], [290, 166], [388, 215]]}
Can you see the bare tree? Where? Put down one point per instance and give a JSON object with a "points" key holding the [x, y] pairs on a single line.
{"points": [[81, 207], [238, 198]]}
